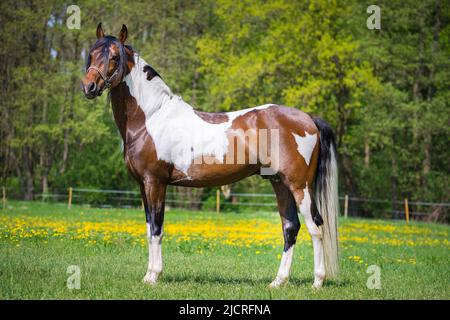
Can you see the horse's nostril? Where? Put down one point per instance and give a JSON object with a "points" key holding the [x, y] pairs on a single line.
{"points": [[92, 87]]}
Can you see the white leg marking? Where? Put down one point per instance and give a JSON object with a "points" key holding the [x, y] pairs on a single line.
{"points": [[305, 145], [285, 268], [149, 268], [154, 257], [316, 236], [157, 254]]}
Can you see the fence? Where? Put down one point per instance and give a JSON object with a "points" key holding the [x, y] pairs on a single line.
{"points": [[119, 198], [350, 206]]}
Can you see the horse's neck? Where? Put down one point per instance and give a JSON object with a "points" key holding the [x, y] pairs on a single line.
{"points": [[125, 110], [137, 98], [150, 94]]}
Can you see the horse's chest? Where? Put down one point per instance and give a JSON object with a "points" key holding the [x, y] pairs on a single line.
{"points": [[132, 161], [139, 152]]}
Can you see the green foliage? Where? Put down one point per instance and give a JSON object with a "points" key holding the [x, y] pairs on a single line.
{"points": [[384, 91]]}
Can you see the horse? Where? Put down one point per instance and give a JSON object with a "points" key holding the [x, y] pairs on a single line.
{"points": [[168, 142]]}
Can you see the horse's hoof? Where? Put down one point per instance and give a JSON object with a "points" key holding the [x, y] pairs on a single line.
{"points": [[317, 284], [278, 282], [150, 278]]}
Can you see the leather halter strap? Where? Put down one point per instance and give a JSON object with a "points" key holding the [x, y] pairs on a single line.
{"points": [[105, 78]]}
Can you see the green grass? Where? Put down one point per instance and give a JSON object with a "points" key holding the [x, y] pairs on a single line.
{"points": [[35, 267]]}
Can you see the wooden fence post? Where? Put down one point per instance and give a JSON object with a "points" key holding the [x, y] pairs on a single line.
{"points": [[69, 205], [4, 197], [346, 206], [218, 201], [406, 210]]}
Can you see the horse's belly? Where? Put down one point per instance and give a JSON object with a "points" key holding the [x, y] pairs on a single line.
{"points": [[211, 175]]}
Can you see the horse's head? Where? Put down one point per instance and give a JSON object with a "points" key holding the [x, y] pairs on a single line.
{"points": [[107, 63]]}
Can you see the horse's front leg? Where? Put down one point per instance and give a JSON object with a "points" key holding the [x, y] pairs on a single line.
{"points": [[154, 196]]}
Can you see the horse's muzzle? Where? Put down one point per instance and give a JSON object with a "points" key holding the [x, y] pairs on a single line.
{"points": [[91, 90]]}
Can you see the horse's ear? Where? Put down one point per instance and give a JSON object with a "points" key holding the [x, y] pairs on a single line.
{"points": [[123, 34], [100, 33]]}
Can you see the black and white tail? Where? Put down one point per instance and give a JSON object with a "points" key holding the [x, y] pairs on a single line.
{"points": [[326, 196]]}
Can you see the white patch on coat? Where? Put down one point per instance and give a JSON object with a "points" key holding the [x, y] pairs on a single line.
{"points": [[150, 95], [285, 268], [316, 236], [234, 114], [179, 134], [305, 145], [149, 268], [149, 241], [286, 261], [157, 262], [149, 234], [305, 206]]}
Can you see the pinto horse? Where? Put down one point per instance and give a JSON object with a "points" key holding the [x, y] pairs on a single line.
{"points": [[168, 142]]}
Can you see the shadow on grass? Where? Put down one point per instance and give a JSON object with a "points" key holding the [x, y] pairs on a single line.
{"points": [[214, 279]]}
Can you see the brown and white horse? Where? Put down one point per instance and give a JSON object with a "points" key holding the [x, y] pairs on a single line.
{"points": [[167, 142]]}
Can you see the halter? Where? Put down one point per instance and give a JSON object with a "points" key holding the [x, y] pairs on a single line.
{"points": [[104, 77]]}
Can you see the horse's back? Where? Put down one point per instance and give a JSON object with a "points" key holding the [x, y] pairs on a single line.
{"points": [[298, 141], [226, 147], [273, 116]]}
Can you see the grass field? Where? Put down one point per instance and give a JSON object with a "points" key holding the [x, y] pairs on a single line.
{"points": [[208, 256]]}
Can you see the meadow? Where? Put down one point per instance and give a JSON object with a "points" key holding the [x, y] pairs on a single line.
{"points": [[208, 256]]}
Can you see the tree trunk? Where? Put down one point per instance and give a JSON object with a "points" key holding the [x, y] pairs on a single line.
{"points": [[427, 141], [426, 165], [44, 183], [393, 174], [366, 154], [29, 185], [73, 88]]}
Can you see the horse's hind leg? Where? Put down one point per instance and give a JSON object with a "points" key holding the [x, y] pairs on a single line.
{"points": [[291, 225], [306, 203]]}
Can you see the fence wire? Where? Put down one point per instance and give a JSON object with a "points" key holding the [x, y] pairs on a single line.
{"points": [[356, 206]]}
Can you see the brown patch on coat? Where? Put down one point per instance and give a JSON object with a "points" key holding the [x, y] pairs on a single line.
{"points": [[292, 167], [151, 73], [212, 117]]}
